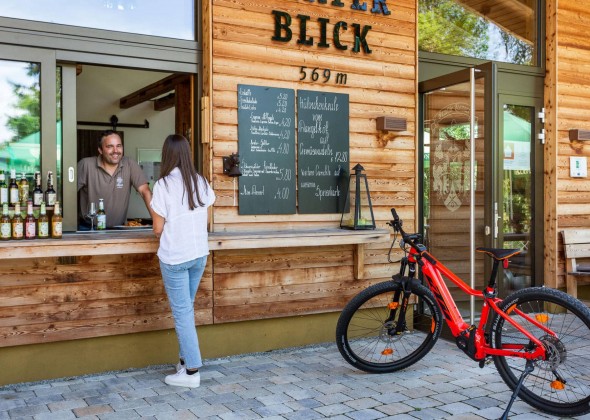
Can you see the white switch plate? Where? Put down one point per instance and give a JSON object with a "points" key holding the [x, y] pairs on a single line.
{"points": [[578, 167]]}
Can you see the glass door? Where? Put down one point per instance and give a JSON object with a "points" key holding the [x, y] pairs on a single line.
{"points": [[520, 203], [456, 131]]}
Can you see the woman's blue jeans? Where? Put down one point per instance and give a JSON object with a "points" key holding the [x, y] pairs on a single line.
{"points": [[181, 282]]}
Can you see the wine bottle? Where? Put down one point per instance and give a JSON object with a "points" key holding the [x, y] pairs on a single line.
{"points": [[56, 222], [50, 193], [101, 217], [13, 189], [37, 192], [23, 189], [3, 188], [5, 224], [43, 222], [30, 222], [18, 225]]}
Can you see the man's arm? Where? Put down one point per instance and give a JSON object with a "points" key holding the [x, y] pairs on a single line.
{"points": [[146, 194]]}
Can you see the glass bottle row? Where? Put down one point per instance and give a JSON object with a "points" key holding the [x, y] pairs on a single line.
{"points": [[19, 191], [29, 227]]}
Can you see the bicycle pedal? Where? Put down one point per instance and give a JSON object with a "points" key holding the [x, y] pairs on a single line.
{"points": [[484, 362]]}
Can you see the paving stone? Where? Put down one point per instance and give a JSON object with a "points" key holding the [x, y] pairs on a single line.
{"points": [[28, 411], [272, 410], [66, 405], [292, 384], [333, 409], [366, 414], [94, 410], [58, 415]]}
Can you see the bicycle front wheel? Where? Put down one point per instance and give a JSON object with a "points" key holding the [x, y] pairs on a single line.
{"points": [[560, 384], [366, 330]]}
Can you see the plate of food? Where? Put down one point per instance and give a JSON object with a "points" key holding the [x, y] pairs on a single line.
{"points": [[135, 224]]}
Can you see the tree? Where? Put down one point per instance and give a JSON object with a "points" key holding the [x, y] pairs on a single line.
{"points": [[447, 28], [28, 104]]}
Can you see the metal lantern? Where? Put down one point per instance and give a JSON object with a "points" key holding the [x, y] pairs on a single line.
{"points": [[358, 210]]}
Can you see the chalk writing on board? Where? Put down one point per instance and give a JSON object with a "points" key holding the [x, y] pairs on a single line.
{"points": [[323, 151], [266, 136]]}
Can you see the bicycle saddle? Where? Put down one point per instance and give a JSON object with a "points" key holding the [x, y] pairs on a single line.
{"points": [[499, 254]]}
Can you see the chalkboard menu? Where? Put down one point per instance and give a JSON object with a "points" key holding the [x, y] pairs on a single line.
{"points": [[323, 151], [266, 136]]}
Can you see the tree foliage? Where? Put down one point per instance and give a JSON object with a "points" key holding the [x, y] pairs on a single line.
{"points": [[446, 27], [27, 118]]}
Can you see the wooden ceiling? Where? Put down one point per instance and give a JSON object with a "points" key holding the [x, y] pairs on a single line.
{"points": [[514, 16]]}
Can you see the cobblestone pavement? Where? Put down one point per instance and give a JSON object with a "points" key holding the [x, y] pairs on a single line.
{"points": [[298, 383]]}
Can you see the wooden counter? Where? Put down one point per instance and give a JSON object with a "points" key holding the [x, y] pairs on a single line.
{"points": [[144, 241]]}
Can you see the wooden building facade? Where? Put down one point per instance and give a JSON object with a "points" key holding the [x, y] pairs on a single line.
{"points": [[273, 279]]}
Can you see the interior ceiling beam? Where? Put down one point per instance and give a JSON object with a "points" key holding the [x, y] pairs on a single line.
{"points": [[514, 16], [152, 91], [162, 104]]}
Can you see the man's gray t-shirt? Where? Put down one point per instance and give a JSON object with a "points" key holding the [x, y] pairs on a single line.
{"points": [[94, 183]]}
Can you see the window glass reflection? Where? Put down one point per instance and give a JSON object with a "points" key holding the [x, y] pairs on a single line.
{"points": [[499, 30], [171, 19], [20, 122]]}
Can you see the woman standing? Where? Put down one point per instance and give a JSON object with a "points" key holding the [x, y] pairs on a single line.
{"points": [[180, 200]]}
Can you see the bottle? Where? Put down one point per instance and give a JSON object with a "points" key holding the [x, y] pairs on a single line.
{"points": [[23, 189], [13, 189], [18, 225], [3, 188], [56, 222], [50, 194], [30, 222], [5, 224], [101, 217], [37, 192], [43, 222]]}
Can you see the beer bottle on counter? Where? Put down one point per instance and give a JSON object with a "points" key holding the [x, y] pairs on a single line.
{"points": [[37, 192], [5, 224], [13, 189], [43, 222], [3, 188], [23, 189], [18, 225], [50, 194], [101, 217], [30, 222], [56, 222]]}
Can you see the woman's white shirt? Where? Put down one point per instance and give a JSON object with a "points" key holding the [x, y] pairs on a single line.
{"points": [[184, 237]]}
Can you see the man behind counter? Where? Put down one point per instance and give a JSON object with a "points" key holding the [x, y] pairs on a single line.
{"points": [[110, 176]]}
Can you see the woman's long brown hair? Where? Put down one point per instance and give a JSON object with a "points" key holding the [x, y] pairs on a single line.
{"points": [[176, 153]]}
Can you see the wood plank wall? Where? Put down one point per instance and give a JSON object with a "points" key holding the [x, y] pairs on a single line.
{"points": [[274, 282], [572, 111], [58, 299]]}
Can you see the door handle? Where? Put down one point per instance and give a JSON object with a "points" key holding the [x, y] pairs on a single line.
{"points": [[71, 174], [496, 218]]}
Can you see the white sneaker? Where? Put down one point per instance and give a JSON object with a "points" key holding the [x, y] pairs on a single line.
{"points": [[181, 378], [179, 367]]}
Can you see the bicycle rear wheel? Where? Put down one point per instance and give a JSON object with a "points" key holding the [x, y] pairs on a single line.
{"points": [[366, 336], [559, 385]]}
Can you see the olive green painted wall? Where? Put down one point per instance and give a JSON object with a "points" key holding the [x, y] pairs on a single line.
{"points": [[72, 358]]}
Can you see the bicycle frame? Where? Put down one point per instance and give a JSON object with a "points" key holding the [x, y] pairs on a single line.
{"points": [[433, 270]]}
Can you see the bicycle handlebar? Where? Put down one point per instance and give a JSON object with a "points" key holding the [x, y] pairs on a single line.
{"points": [[413, 239]]}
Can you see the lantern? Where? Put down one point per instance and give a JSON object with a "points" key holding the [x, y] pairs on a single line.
{"points": [[358, 210]]}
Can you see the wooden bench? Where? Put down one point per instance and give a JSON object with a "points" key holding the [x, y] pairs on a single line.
{"points": [[576, 244]]}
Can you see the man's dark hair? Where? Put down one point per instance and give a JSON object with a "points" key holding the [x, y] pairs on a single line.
{"points": [[104, 134]]}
